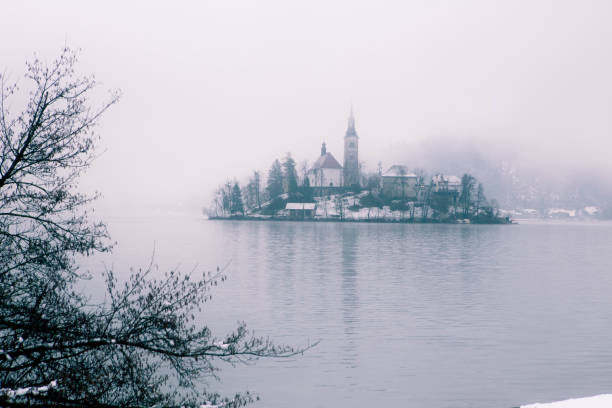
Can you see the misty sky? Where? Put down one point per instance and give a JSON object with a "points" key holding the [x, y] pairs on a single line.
{"points": [[216, 89]]}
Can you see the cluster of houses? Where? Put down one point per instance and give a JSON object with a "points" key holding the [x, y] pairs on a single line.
{"points": [[327, 175]]}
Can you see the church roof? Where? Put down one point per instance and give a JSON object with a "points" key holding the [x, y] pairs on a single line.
{"points": [[350, 130], [326, 161]]}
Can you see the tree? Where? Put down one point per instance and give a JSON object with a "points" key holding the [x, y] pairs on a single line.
{"points": [[370, 201], [252, 192], [290, 175], [256, 183], [373, 181], [466, 196], [218, 208], [249, 196], [426, 201], [226, 197], [340, 204], [275, 180], [142, 346], [419, 188], [304, 169], [237, 204], [481, 200], [43, 151], [306, 190], [440, 203]]}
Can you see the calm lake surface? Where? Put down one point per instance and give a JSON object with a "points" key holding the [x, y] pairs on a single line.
{"points": [[407, 315]]}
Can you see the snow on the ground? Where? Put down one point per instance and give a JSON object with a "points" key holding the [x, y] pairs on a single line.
{"points": [[598, 401], [561, 211], [221, 345], [20, 392]]}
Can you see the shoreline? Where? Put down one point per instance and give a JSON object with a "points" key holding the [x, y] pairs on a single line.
{"points": [[367, 221]]}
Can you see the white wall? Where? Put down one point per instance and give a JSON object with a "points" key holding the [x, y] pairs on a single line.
{"points": [[325, 177]]}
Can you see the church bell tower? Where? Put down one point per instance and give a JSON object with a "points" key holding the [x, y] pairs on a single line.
{"points": [[351, 154]]}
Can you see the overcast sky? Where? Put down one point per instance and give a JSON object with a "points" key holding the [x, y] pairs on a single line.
{"points": [[216, 89]]}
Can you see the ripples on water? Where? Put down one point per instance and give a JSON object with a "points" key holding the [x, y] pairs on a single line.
{"points": [[407, 315]]}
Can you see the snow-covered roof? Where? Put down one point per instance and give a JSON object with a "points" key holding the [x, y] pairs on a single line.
{"points": [[397, 170], [451, 180], [326, 161], [561, 211], [300, 206]]}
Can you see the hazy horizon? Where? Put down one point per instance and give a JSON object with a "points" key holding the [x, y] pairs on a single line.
{"points": [[214, 90]]}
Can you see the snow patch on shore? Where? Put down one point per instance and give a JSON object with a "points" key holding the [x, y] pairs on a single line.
{"points": [[598, 401]]}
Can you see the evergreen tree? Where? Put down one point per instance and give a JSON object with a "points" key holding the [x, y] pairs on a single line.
{"points": [[275, 180], [236, 199], [290, 175], [440, 203], [305, 190]]}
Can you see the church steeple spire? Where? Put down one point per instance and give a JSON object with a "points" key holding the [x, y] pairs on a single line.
{"points": [[350, 130], [351, 153]]}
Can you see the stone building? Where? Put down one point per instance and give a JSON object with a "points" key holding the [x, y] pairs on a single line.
{"points": [[399, 183]]}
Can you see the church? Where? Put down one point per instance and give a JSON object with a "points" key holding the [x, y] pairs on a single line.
{"points": [[327, 172]]}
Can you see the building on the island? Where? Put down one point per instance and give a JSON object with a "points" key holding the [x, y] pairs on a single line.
{"points": [[326, 172], [351, 154], [442, 183], [300, 211], [399, 183]]}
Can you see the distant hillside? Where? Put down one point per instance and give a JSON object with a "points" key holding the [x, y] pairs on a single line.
{"points": [[512, 181]]}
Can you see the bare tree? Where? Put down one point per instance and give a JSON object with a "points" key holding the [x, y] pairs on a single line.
{"points": [[224, 198], [468, 183], [419, 188], [217, 204], [426, 201], [481, 200], [43, 151], [143, 346], [340, 204], [304, 169]]}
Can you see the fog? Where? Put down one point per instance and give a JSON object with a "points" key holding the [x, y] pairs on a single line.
{"points": [[215, 89]]}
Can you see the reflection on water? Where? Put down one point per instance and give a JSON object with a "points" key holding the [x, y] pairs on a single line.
{"points": [[350, 300], [407, 315]]}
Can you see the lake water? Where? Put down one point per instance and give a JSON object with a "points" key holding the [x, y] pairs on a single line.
{"points": [[407, 315]]}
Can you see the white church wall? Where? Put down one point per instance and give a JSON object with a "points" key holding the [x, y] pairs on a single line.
{"points": [[325, 178]]}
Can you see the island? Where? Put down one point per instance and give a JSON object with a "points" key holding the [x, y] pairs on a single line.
{"points": [[329, 191]]}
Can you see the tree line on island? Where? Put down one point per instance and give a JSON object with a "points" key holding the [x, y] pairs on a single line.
{"points": [[425, 200]]}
